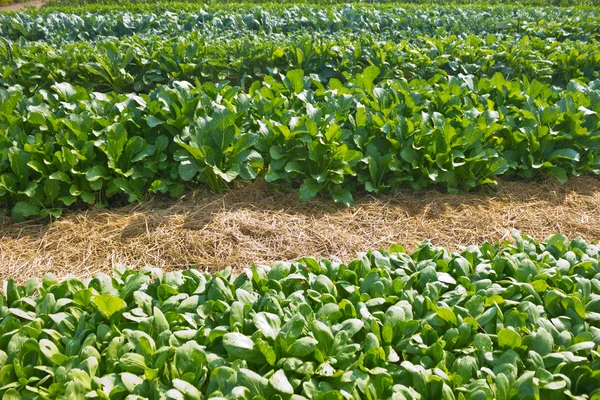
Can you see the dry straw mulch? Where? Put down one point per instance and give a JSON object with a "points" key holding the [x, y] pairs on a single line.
{"points": [[255, 224]]}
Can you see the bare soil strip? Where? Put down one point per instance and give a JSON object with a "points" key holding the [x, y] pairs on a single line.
{"points": [[255, 224], [18, 6]]}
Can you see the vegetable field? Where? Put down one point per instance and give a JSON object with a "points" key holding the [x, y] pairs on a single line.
{"points": [[331, 101], [107, 106], [519, 321]]}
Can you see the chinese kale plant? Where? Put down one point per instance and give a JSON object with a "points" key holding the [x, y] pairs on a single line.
{"points": [[68, 146]]}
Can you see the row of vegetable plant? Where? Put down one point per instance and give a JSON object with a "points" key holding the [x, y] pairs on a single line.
{"points": [[67, 145], [518, 321], [135, 64], [391, 22], [322, 3]]}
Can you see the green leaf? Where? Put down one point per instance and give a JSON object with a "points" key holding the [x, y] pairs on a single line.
{"points": [[65, 90], [153, 122], [240, 346], [368, 77], [343, 196], [293, 328], [294, 166], [190, 391], [68, 200], [352, 326], [542, 342], [302, 347], [280, 383], [268, 324], [567, 154], [559, 173], [130, 381], [49, 349], [267, 351], [134, 363], [18, 163], [188, 169], [583, 346], [11, 394], [60, 176], [116, 138], [309, 189], [446, 314], [108, 305], [509, 338], [296, 79], [254, 382], [23, 210], [525, 386]]}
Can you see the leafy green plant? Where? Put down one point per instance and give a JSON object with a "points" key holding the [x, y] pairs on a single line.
{"points": [[104, 102], [68, 145], [390, 21], [511, 321], [138, 63], [217, 150]]}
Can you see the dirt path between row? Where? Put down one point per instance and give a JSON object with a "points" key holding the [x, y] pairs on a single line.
{"points": [[18, 6], [255, 224]]}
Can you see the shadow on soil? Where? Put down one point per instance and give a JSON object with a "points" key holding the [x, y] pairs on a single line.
{"points": [[195, 211]]}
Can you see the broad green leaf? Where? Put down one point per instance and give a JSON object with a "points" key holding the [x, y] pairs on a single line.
{"points": [[309, 189], [23, 210], [108, 305], [153, 122], [542, 342], [254, 382], [302, 347], [116, 137], [296, 79], [343, 196], [281, 383], [267, 323], [65, 90], [509, 338], [446, 314], [240, 346]]}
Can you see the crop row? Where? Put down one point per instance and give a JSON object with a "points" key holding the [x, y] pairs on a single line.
{"points": [[394, 23], [134, 64], [67, 145], [74, 4], [519, 321]]}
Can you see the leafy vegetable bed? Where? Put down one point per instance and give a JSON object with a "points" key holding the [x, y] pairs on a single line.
{"points": [[519, 321], [135, 50], [395, 21], [133, 64], [68, 146], [323, 99]]}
